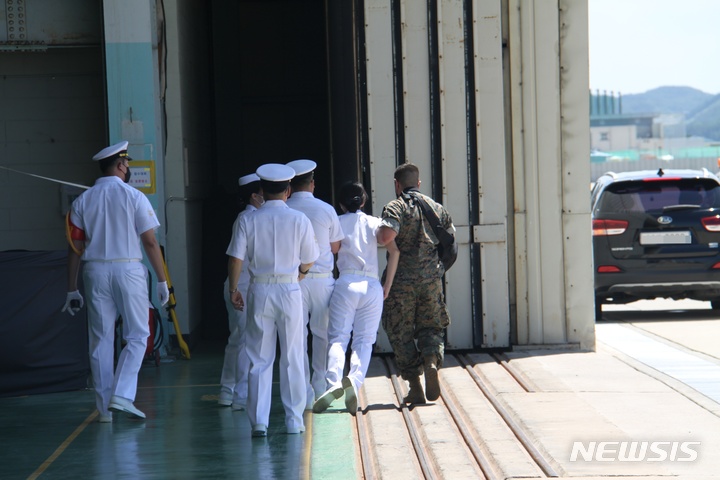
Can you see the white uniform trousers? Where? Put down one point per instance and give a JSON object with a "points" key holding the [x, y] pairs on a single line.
{"points": [[316, 309], [356, 306], [113, 288], [234, 376], [275, 312]]}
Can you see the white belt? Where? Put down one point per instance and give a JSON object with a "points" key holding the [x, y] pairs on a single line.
{"points": [[273, 279], [117, 260], [318, 275], [358, 272]]}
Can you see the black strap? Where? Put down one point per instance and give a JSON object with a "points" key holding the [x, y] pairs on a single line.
{"points": [[429, 214]]}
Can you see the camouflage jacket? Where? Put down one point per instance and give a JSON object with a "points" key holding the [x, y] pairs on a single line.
{"points": [[415, 238]]}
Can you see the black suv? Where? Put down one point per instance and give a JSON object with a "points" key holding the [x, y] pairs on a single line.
{"points": [[656, 234]]}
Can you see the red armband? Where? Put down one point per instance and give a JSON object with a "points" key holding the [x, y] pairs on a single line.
{"points": [[75, 232]]}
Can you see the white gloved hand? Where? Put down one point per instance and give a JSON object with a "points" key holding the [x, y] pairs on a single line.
{"points": [[73, 303], [163, 293]]}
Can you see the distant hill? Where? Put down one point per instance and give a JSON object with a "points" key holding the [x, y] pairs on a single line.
{"points": [[704, 121], [702, 110], [665, 100]]}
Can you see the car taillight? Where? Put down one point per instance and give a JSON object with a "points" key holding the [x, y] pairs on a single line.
{"points": [[610, 227], [661, 179], [608, 269], [711, 224]]}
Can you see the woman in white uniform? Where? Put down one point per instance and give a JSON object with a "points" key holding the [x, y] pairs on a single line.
{"points": [[357, 301], [234, 376]]}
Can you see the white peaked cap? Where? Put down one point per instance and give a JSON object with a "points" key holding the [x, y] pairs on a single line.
{"points": [[112, 150], [302, 166], [275, 172], [244, 180]]}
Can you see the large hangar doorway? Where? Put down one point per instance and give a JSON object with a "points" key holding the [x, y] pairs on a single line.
{"points": [[52, 121], [53, 116], [284, 80]]}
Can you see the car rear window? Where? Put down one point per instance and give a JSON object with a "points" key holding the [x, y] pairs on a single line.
{"points": [[655, 196]]}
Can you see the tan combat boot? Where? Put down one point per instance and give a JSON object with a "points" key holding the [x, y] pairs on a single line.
{"points": [[432, 381], [416, 394]]}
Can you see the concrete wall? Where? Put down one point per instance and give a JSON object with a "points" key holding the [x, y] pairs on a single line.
{"points": [[618, 137]]}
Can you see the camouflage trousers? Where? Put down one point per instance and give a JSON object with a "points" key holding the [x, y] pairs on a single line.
{"points": [[414, 318]]}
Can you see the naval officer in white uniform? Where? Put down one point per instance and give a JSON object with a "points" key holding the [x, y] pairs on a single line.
{"points": [[277, 245], [234, 376], [318, 285], [107, 224]]}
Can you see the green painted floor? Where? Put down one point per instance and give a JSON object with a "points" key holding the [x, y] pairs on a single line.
{"points": [[186, 434]]}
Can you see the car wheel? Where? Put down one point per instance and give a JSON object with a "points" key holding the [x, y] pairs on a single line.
{"points": [[715, 304], [598, 309]]}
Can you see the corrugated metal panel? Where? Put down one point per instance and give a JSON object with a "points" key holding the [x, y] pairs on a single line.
{"points": [[524, 328], [431, 67], [577, 243], [492, 171], [549, 119], [416, 103], [380, 101], [381, 113], [453, 150], [540, 165]]}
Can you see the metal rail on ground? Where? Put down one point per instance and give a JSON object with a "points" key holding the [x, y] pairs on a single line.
{"points": [[367, 458], [517, 430], [425, 461]]}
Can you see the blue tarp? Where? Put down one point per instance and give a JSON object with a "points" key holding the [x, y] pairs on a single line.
{"points": [[42, 350]]}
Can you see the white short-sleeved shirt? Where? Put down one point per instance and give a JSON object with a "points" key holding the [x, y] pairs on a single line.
{"points": [[359, 248], [244, 274], [274, 239], [113, 215], [325, 224]]}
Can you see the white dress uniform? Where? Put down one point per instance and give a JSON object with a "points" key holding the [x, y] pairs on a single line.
{"points": [[356, 304], [273, 242], [234, 376], [113, 216], [317, 286]]}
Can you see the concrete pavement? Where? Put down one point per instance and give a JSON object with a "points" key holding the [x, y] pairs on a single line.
{"points": [[645, 404], [624, 410]]}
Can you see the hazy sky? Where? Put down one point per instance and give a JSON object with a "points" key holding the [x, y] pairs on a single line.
{"points": [[638, 45]]}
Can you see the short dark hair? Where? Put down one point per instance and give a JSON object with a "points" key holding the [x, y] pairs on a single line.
{"points": [[273, 188], [106, 164], [407, 175], [302, 180]]}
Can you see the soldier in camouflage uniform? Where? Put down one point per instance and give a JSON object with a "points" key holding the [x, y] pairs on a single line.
{"points": [[414, 314]]}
